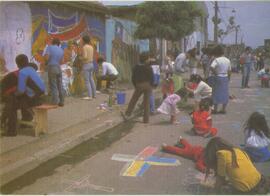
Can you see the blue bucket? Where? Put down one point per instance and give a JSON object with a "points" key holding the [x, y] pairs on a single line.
{"points": [[121, 98]]}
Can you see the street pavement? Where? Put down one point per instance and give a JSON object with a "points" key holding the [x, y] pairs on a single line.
{"points": [[101, 165], [68, 126]]}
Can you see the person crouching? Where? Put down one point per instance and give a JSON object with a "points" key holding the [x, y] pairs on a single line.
{"points": [[202, 120]]}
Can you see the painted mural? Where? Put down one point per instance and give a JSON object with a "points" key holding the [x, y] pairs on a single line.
{"points": [[28, 28], [67, 25]]}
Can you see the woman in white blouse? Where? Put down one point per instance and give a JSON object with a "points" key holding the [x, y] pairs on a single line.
{"points": [[221, 67], [203, 91]]}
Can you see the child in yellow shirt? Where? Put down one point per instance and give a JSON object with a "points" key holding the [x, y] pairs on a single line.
{"points": [[233, 166]]}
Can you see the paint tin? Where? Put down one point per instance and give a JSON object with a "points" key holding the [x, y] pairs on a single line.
{"points": [[121, 98]]}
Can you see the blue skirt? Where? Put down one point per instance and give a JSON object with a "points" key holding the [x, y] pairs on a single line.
{"points": [[220, 91], [258, 154]]}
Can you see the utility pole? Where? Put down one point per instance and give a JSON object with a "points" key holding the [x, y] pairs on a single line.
{"points": [[236, 33], [215, 20]]}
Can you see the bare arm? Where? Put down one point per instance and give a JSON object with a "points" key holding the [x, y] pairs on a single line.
{"points": [[220, 181]]}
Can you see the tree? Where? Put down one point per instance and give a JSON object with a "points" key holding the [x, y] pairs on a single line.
{"points": [[170, 20]]}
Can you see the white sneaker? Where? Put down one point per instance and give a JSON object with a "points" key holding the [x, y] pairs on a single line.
{"points": [[98, 92], [87, 98]]}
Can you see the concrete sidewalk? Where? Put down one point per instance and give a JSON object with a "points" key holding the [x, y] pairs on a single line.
{"points": [[78, 121]]}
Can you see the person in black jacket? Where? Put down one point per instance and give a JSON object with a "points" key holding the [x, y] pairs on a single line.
{"points": [[142, 79]]}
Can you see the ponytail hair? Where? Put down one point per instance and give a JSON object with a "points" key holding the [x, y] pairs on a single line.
{"points": [[210, 153]]}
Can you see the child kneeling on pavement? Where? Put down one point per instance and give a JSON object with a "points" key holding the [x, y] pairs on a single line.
{"points": [[202, 120], [235, 172]]}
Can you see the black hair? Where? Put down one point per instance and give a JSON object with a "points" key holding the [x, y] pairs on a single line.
{"points": [[204, 105], [100, 60], [218, 51], [56, 41], [34, 65], [22, 61], [152, 61], [210, 153], [248, 48], [195, 78], [258, 123], [86, 39], [143, 57]]}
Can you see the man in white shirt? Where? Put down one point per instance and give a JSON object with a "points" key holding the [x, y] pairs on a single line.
{"points": [[109, 73], [180, 62]]}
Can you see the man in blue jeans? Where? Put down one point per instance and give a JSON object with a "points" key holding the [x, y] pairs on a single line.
{"points": [[54, 56], [246, 60]]}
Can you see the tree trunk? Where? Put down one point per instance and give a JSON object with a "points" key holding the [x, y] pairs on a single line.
{"points": [[160, 51], [153, 46]]}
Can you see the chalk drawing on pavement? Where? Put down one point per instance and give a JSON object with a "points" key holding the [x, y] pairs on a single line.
{"points": [[137, 165], [195, 183], [84, 183]]}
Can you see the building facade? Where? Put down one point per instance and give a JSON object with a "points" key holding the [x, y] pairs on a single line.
{"points": [[28, 27]]}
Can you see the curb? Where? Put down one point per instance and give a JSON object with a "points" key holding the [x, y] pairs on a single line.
{"points": [[20, 167], [48, 146]]}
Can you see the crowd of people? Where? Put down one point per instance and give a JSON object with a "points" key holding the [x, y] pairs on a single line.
{"points": [[23, 89], [233, 166]]}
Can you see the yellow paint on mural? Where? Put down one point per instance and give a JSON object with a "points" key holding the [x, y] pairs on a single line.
{"points": [[134, 168], [40, 42], [36, 24]]}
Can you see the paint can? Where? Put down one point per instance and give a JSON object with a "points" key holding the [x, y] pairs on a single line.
{"points": [[121, 98]]}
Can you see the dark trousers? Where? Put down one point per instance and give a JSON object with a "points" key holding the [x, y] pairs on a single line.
{"points": [[265, 83], [108, 78], [11, 105], [245, 75], [142, 88]]}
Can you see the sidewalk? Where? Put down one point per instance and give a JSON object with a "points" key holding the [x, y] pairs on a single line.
{"points": [[78, 121]]}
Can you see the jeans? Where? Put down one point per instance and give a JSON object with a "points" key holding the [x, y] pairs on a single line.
{"points": [[44, 77], [245, 75], [56, 86], [88, 79], [152, 102]]}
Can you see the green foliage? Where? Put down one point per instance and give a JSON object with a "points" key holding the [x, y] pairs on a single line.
{"points": [[170, 20]]}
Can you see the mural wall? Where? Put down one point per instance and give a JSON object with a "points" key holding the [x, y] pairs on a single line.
{"points": [[28, 28], [122, 48], [66, 24]]}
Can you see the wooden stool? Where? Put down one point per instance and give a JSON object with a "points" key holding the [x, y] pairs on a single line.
{"points": [[40, 122]]}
